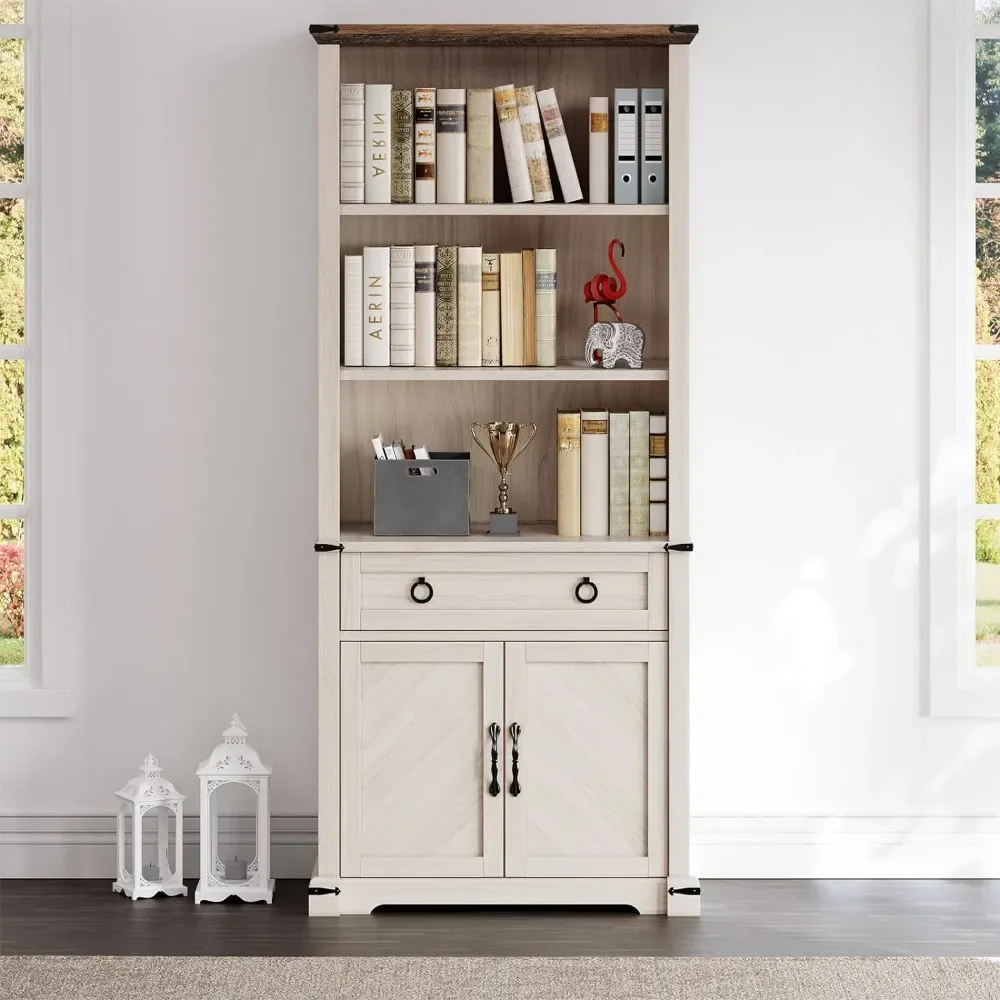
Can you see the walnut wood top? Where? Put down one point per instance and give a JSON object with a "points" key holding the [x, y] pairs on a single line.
{"points": [[504, 34]]}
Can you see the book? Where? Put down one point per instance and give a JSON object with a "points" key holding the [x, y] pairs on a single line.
{"points": [[401, 306], [618, 474], [511, 311], [568, 472], [562, 155], [424, 350], [446, 307], [376, 318], [398, 450], [599, 151], [545, 308], [513, 143], [653, 185], [658, 474], [470, 307], [528, 306], [479, 146], [378, 447], [638, 479], [424, 145], [626, 146], [352, 143], [491, 309], [594, 480], [401, 145], [450, 146], [534, 144], [354, 309], [378, 165]]}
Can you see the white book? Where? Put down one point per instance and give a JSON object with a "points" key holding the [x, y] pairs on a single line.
{"points": [[420, 452], [568, 472], [424, 145], [594, 482], [352, 143], [450, 146], [657, 468], [491, 310], [534, 144], [545, 308], [657, 490], [378, 446], [638, 492], [511, 310], [376, 302], [401, 306], [618, 442], [470, 307], [513, 143], [354, 309], [479, 146], [657, 519], [562, 156], [398, 452], [378, 163], [424, 306], [599, 151]]}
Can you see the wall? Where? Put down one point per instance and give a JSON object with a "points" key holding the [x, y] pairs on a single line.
{"points": [[194, 212]]}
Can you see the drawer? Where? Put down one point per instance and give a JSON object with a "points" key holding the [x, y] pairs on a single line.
{"points": [[381, 591]]}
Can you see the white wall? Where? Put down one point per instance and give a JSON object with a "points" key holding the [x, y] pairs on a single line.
{"points": [[194, 209]]}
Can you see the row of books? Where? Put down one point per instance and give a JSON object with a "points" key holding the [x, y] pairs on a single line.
{"points": [[397, 450], [611, 473], [444, 306], [432, 145]]}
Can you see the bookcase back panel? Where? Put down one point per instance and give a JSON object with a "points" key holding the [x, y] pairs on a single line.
{"points": [[581, 243], [439, 415]]}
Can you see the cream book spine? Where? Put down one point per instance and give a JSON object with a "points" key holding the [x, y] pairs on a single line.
{"points": [[618, 476], [401, 144], [513, 143], [562, 155], [446, 307], [479, 146], [528, 306], [424, 306], [638, 482], [600, 151], [450, 146], [545, 308], [424, 145], [354, 327], [376, 318], [352, 143], [511, 311], [594, 481], [568, 473], [378, 160], [401, 307], [491, 310], [658, 474], [534, 144], [470, 307]]}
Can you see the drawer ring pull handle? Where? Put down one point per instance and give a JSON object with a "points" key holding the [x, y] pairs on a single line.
{"points": [[586, 582], [421, 583]]}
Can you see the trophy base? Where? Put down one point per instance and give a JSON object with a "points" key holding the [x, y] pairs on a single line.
{"points": [[503, 524]]}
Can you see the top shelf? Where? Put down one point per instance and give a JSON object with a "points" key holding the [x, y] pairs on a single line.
{"points": [[504, 34], [576, 209]]}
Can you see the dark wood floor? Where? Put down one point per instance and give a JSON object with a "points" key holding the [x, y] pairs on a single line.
{"points": [[934, 918]]}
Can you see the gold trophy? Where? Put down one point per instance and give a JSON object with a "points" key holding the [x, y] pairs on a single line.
{"points": [[503, 449]]}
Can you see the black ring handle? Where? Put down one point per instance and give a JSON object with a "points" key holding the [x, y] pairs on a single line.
{"points": [[586, 582], [421, 582]]}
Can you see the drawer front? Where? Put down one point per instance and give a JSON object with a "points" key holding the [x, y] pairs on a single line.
{"points": [[475, 592]]}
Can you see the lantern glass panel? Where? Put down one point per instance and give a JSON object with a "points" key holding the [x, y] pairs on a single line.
{"points": [[236, 834]]}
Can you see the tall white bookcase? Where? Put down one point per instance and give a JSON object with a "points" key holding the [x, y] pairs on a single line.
{"points": [[409, 693]]}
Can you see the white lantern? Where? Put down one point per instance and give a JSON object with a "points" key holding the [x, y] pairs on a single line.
{"points": [[234, 761], [150, 793]]}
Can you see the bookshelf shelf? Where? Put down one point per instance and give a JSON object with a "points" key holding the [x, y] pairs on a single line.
{"points": [[655, 371], [529, 209]]}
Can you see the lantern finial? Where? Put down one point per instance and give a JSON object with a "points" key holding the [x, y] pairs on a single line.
{"points": [[237, 732], [151, 766]]}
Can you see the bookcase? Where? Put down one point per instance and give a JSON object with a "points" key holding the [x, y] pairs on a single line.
{"points": [[415, 698]]}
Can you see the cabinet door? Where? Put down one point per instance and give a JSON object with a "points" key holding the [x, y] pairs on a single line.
{"points": [[415, 758], [591, 759]]}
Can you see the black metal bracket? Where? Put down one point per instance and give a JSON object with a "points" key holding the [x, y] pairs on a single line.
{"points": [[316, 890], [684, 890], [328, 547], [679, 547]]}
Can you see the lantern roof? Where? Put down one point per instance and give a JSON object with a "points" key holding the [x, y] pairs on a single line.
{"points": [[150, 785], [234, 756]]}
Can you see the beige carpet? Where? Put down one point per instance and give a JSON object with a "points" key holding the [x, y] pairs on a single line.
{"points": [[55, 978]]}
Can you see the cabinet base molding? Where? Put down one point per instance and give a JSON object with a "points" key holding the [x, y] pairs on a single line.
{"points": [[363, 895]]}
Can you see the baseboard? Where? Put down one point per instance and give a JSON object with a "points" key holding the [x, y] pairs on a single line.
{"points": [[845, 847]]}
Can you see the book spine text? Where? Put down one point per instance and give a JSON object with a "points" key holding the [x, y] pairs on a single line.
{"points": [[491, 310], [446, 307], [376, 319], [424, 306], [562, 155], [401, 144], [568, 473], [545, 308], [424, 145], [378, 161], [513, 143], [534, 144], [450, 146]]}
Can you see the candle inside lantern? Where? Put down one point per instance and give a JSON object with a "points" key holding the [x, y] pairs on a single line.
{"points": [[236, 870], [151, 873]]}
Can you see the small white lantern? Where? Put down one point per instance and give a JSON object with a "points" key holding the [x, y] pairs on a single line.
{"points": [[151, 792], [234, 761]]}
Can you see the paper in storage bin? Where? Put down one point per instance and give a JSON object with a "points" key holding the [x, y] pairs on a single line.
{"points": [[422, 496]]}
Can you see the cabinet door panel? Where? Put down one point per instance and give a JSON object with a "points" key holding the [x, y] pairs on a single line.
{"points": [[415, 750], [592, 759]]}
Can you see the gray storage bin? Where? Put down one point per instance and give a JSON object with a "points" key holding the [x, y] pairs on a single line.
{"points": [[410, 503]]}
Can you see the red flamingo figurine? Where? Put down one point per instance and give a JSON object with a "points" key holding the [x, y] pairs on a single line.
{"points": [[602, 289]]}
